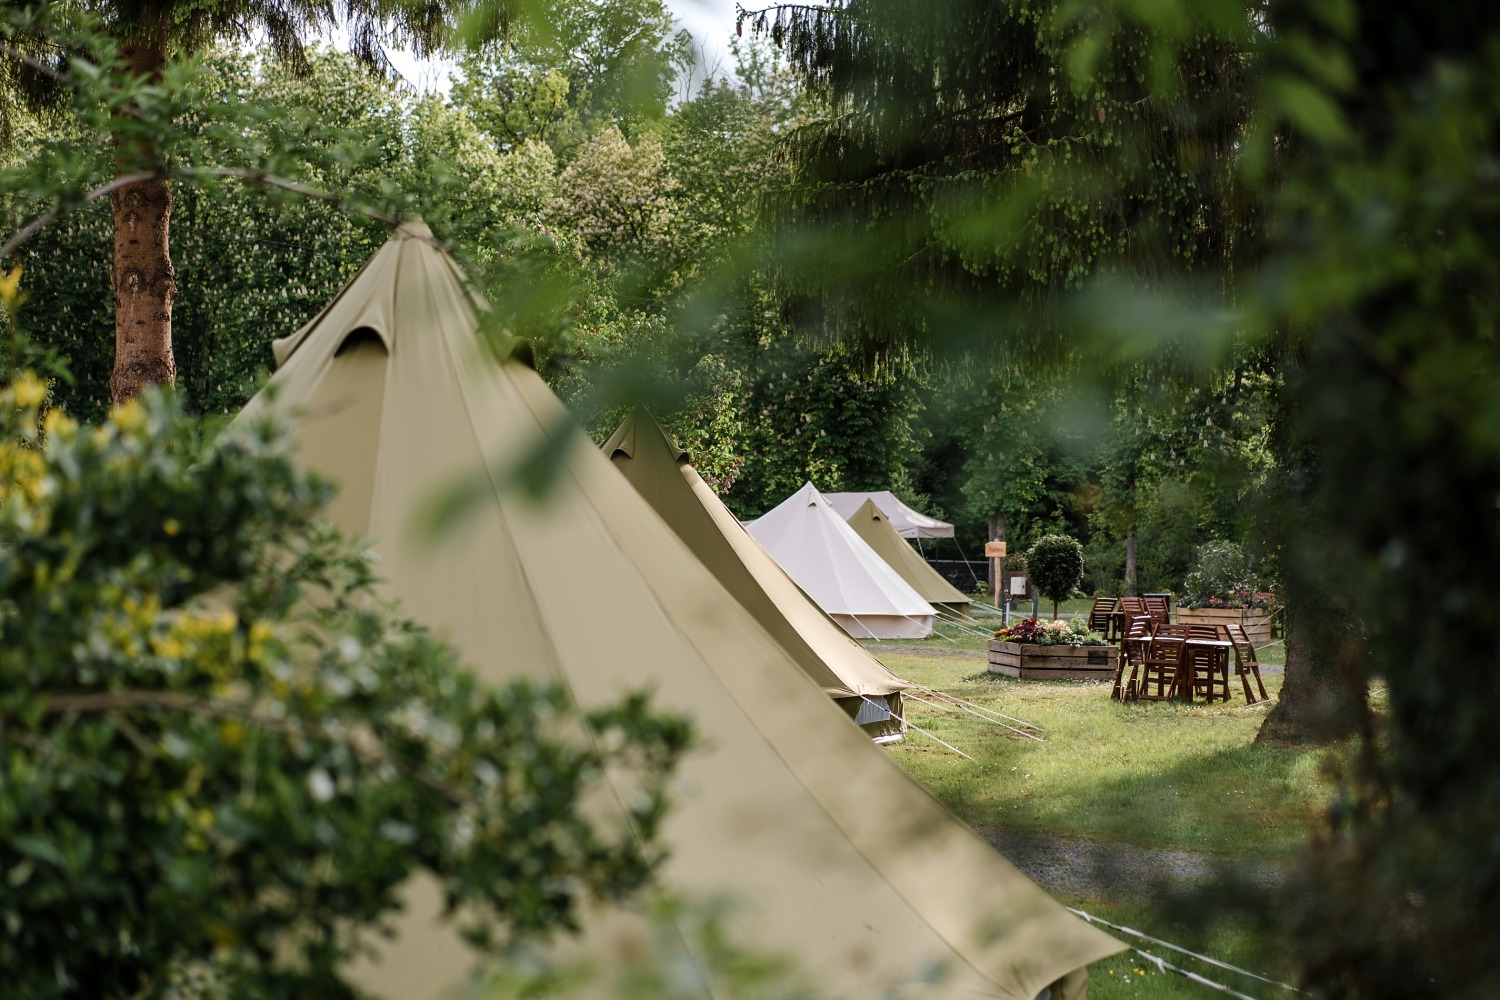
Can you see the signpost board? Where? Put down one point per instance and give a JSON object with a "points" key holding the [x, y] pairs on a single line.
{"points": [[996, 550]]}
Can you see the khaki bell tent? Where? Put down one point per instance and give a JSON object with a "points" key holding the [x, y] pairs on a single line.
{"points": [[661, 473], [870, 523], [842, 574], [908, 521], [831, 854]]}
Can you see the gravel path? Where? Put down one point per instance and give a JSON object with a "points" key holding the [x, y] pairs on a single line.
{"points": [[1091, 869]]}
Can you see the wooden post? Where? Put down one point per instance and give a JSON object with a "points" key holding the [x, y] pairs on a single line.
{"points": [[1005, 598], [995, 550]]}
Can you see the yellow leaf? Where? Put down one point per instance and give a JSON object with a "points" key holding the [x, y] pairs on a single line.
{"points": [[10, 288], [59, 424], [129, 416], [27, 389]]}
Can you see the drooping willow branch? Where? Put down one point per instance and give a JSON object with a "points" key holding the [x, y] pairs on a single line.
{"points": [[243, 174]]}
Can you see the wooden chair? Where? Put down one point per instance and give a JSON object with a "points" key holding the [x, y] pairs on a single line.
{"points": [[1245, 663], [1160, 665], [1130, 607], [1208, 673], [1158, 609], [1132, 653], [1102, 618]]}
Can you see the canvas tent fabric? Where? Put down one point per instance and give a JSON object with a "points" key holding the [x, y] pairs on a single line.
{"points": [[773, 811], [870, 523], [908, 522], [661, 473], [842, 574]]}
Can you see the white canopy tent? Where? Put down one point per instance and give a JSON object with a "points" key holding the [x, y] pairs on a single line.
{"points": [[839, 571], [908, 522]]}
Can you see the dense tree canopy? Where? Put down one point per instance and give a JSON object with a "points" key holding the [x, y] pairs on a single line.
{"points": [[947, 127], [146, 36]]}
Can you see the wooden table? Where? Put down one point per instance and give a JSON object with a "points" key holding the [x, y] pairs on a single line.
{"points": [[1214, 654]]}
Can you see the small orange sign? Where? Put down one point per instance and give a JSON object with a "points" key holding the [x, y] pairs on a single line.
{"points": [[994, 550]]}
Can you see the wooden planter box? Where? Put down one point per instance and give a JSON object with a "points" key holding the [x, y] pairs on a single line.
{"points": [[1255, 621], [1053, 663]]}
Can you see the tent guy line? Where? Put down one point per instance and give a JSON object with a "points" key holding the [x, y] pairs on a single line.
{"points": [[912, 725], [970, 704], [1018, 732], [1180, 950], [1024, 728]]}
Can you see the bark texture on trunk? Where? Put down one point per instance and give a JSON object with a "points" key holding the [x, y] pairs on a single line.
{"points": [[144, 286], [1130, 565], [1324, 694], [142, 277]]}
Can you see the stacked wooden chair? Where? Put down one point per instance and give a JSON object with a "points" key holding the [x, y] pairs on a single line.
{"points": [[1159, 667], [1159, 610], [1132, 654], [1209, 670], [1104, 620], [1245, 663]]}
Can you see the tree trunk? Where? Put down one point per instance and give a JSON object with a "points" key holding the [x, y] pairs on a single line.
{"points": [[144, 288], [142, 277], [1324, 693], [1130, 565], [1323, 696]]}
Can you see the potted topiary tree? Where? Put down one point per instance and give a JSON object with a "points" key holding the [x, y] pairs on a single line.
{"points": [[1055, 565]]}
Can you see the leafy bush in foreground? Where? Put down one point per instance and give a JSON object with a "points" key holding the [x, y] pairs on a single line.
{"points": [[221, 754]]}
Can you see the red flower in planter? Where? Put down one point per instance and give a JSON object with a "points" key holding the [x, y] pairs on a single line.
{"points": [[1027, 630]]}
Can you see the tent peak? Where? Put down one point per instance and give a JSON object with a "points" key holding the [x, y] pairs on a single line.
{"points": [[908, 523], [624, 442], [870, 510], [413, 227]]}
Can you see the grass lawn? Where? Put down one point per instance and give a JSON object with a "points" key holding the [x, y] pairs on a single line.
{"points": [[1228, 940], [1153, 775], [1159, 773]]}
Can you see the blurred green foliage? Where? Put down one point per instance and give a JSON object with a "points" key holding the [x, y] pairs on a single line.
{"points": [[1303, 191], [222, 754]]}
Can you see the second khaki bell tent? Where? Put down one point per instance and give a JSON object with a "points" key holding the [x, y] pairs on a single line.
{"points": [[831, 855], [870, 523], [661, 473], [907, 520], [835, 567]]}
